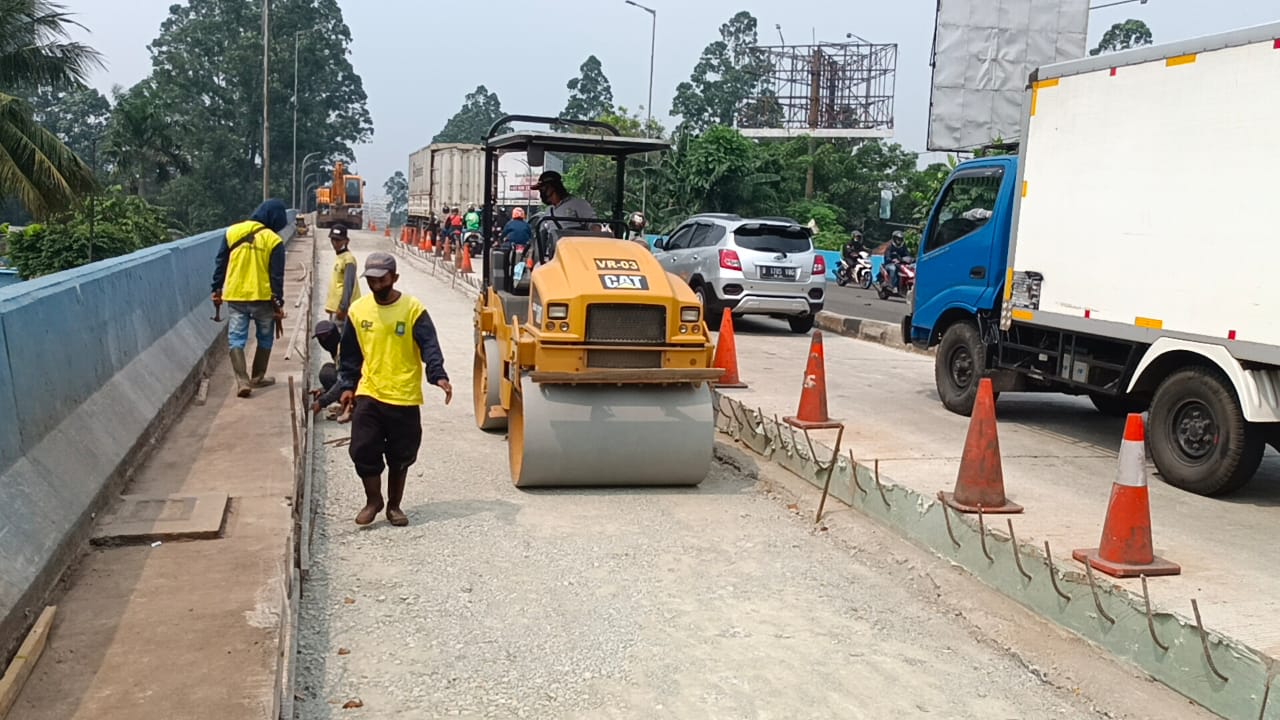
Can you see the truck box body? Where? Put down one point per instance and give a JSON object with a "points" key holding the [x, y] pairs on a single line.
{"points": [[1125, 254], [1143, 189], [443, 174]]}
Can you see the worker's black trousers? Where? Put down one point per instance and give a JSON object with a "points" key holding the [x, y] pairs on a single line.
{"points": [[383, 435]]}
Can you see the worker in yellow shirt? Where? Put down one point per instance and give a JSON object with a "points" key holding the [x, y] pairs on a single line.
{"points": [[389, 335], [248, 275], [343, 288]]}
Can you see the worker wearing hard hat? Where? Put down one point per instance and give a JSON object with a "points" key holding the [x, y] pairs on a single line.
{"points": [[343, 288]]}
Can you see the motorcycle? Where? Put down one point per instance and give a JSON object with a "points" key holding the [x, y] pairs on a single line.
{"points": [[906, 279], [474, 243], [859, 274]]}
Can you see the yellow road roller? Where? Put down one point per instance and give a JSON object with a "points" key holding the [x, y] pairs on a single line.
{"points": [[595, 360]]}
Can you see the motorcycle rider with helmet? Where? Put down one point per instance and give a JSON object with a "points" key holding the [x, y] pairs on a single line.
{"points": [[849, 253], [635, 228], [893, 255]]}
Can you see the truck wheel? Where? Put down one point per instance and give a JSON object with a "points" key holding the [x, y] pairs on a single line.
{"points": [[1116, 405], [960, 362], [1199, 438]]}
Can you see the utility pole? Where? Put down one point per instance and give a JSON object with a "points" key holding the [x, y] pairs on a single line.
{"points": [[296, 35], [653, 40], [266, 99]]}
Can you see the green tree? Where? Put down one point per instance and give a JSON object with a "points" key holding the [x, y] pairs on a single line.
{"points": [[141, 144], [480, 110], [77, 116], [207, 70], [397, 189], [590, 94], [592, 177], [121, 224], [37, 168], [1123, 36], [729, 72]]}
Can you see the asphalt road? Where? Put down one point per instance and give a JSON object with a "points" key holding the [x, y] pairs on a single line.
{"points": [[856, 302]]}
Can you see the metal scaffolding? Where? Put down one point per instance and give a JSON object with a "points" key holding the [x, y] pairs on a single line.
{"points": [[827, 90]]}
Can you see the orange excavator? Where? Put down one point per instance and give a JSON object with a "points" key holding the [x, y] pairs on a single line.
{"points": [[342, 202]]}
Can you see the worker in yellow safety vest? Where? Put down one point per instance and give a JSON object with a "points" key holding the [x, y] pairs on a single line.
{"points": [[343, 288], [248, 275], [388, 339]]}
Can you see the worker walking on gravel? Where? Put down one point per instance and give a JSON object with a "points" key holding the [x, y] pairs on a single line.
{"points": [[248, 275], [343, 288], [388, 336]]}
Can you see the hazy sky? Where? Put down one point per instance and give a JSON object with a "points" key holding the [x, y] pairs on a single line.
{"points": [[418, 58]]}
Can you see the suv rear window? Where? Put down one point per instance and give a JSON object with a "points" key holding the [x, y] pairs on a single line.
{"points": [[773, 238]]}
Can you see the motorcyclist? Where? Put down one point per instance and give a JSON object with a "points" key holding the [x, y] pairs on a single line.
{"points": [[516, 233], [849, 253], [893, 255], [635, 228], [472, 219]]}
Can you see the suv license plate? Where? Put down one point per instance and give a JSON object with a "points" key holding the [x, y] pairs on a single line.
{"points": [[772, 272]]}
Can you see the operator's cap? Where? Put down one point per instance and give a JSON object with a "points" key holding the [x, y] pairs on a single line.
{"points": [[549, 176], [338, 232], [379, 264]]}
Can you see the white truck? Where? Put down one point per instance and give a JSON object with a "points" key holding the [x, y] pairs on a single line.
{"points": [[444, 175], [1125, 253]]}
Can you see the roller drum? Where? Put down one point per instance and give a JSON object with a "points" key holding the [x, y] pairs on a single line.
{"points": [[610, 436]]}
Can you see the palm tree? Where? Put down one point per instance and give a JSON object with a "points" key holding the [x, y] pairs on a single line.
{"points": [[35, 166], [141, 144]]}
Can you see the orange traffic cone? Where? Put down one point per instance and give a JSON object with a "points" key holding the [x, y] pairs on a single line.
{"points": [[466, 261], [727, 355], [373, 226], [980, 482], [1126, 549], [812, 413]]}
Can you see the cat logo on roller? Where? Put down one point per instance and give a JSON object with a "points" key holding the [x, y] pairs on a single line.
{"points": [[624, 282]]}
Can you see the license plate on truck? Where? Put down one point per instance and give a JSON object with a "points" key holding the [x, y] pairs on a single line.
{"points": [[773, 272]]}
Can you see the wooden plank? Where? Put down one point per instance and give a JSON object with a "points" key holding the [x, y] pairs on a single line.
{"points": [[628, 377], [25, 661]]}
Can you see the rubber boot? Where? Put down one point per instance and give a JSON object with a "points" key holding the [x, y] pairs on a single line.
{"points": [[242, 376], [373, 500], [395, 493], [261, 358]]}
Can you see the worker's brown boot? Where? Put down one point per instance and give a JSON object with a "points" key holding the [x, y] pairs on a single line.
{"points": [[373, 498], [261, 358], [242, 375], [395, 493]]}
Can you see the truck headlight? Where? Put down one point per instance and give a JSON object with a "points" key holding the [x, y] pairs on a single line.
{"points": [[557, 311], [689, 315]]}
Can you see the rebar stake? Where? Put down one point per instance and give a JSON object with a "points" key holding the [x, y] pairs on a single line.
{"points": [[1097, 602], [1017, 556], [982, 535], [879, 486], [947, 517], [1053, 574], [1204, 641], [1151, 625]]}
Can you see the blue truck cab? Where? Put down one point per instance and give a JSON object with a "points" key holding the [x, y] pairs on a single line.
{"points": [[960, 274]]}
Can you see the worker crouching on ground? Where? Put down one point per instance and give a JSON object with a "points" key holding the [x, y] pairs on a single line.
{"points": [[388, 335], [328, 335], [343, 287], [249, 276]]}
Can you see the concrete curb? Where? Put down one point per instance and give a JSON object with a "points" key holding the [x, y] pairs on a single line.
{"points": [[873, 331], [993, 557]]}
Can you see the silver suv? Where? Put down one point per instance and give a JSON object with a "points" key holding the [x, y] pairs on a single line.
{"points": [[753, 266]]}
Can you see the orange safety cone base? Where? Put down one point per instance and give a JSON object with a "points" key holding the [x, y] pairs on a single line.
{"points": [[729, 386], [812, 424], [1157, 566], [1007, 508]]}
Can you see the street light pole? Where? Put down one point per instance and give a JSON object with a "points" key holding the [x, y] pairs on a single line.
{"points": [[296, 35], [653, 41], [298, 169], [1118, 2], [266, 99]]}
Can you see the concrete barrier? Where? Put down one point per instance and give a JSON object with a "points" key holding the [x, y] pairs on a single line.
{"points": [[98, 361]]}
